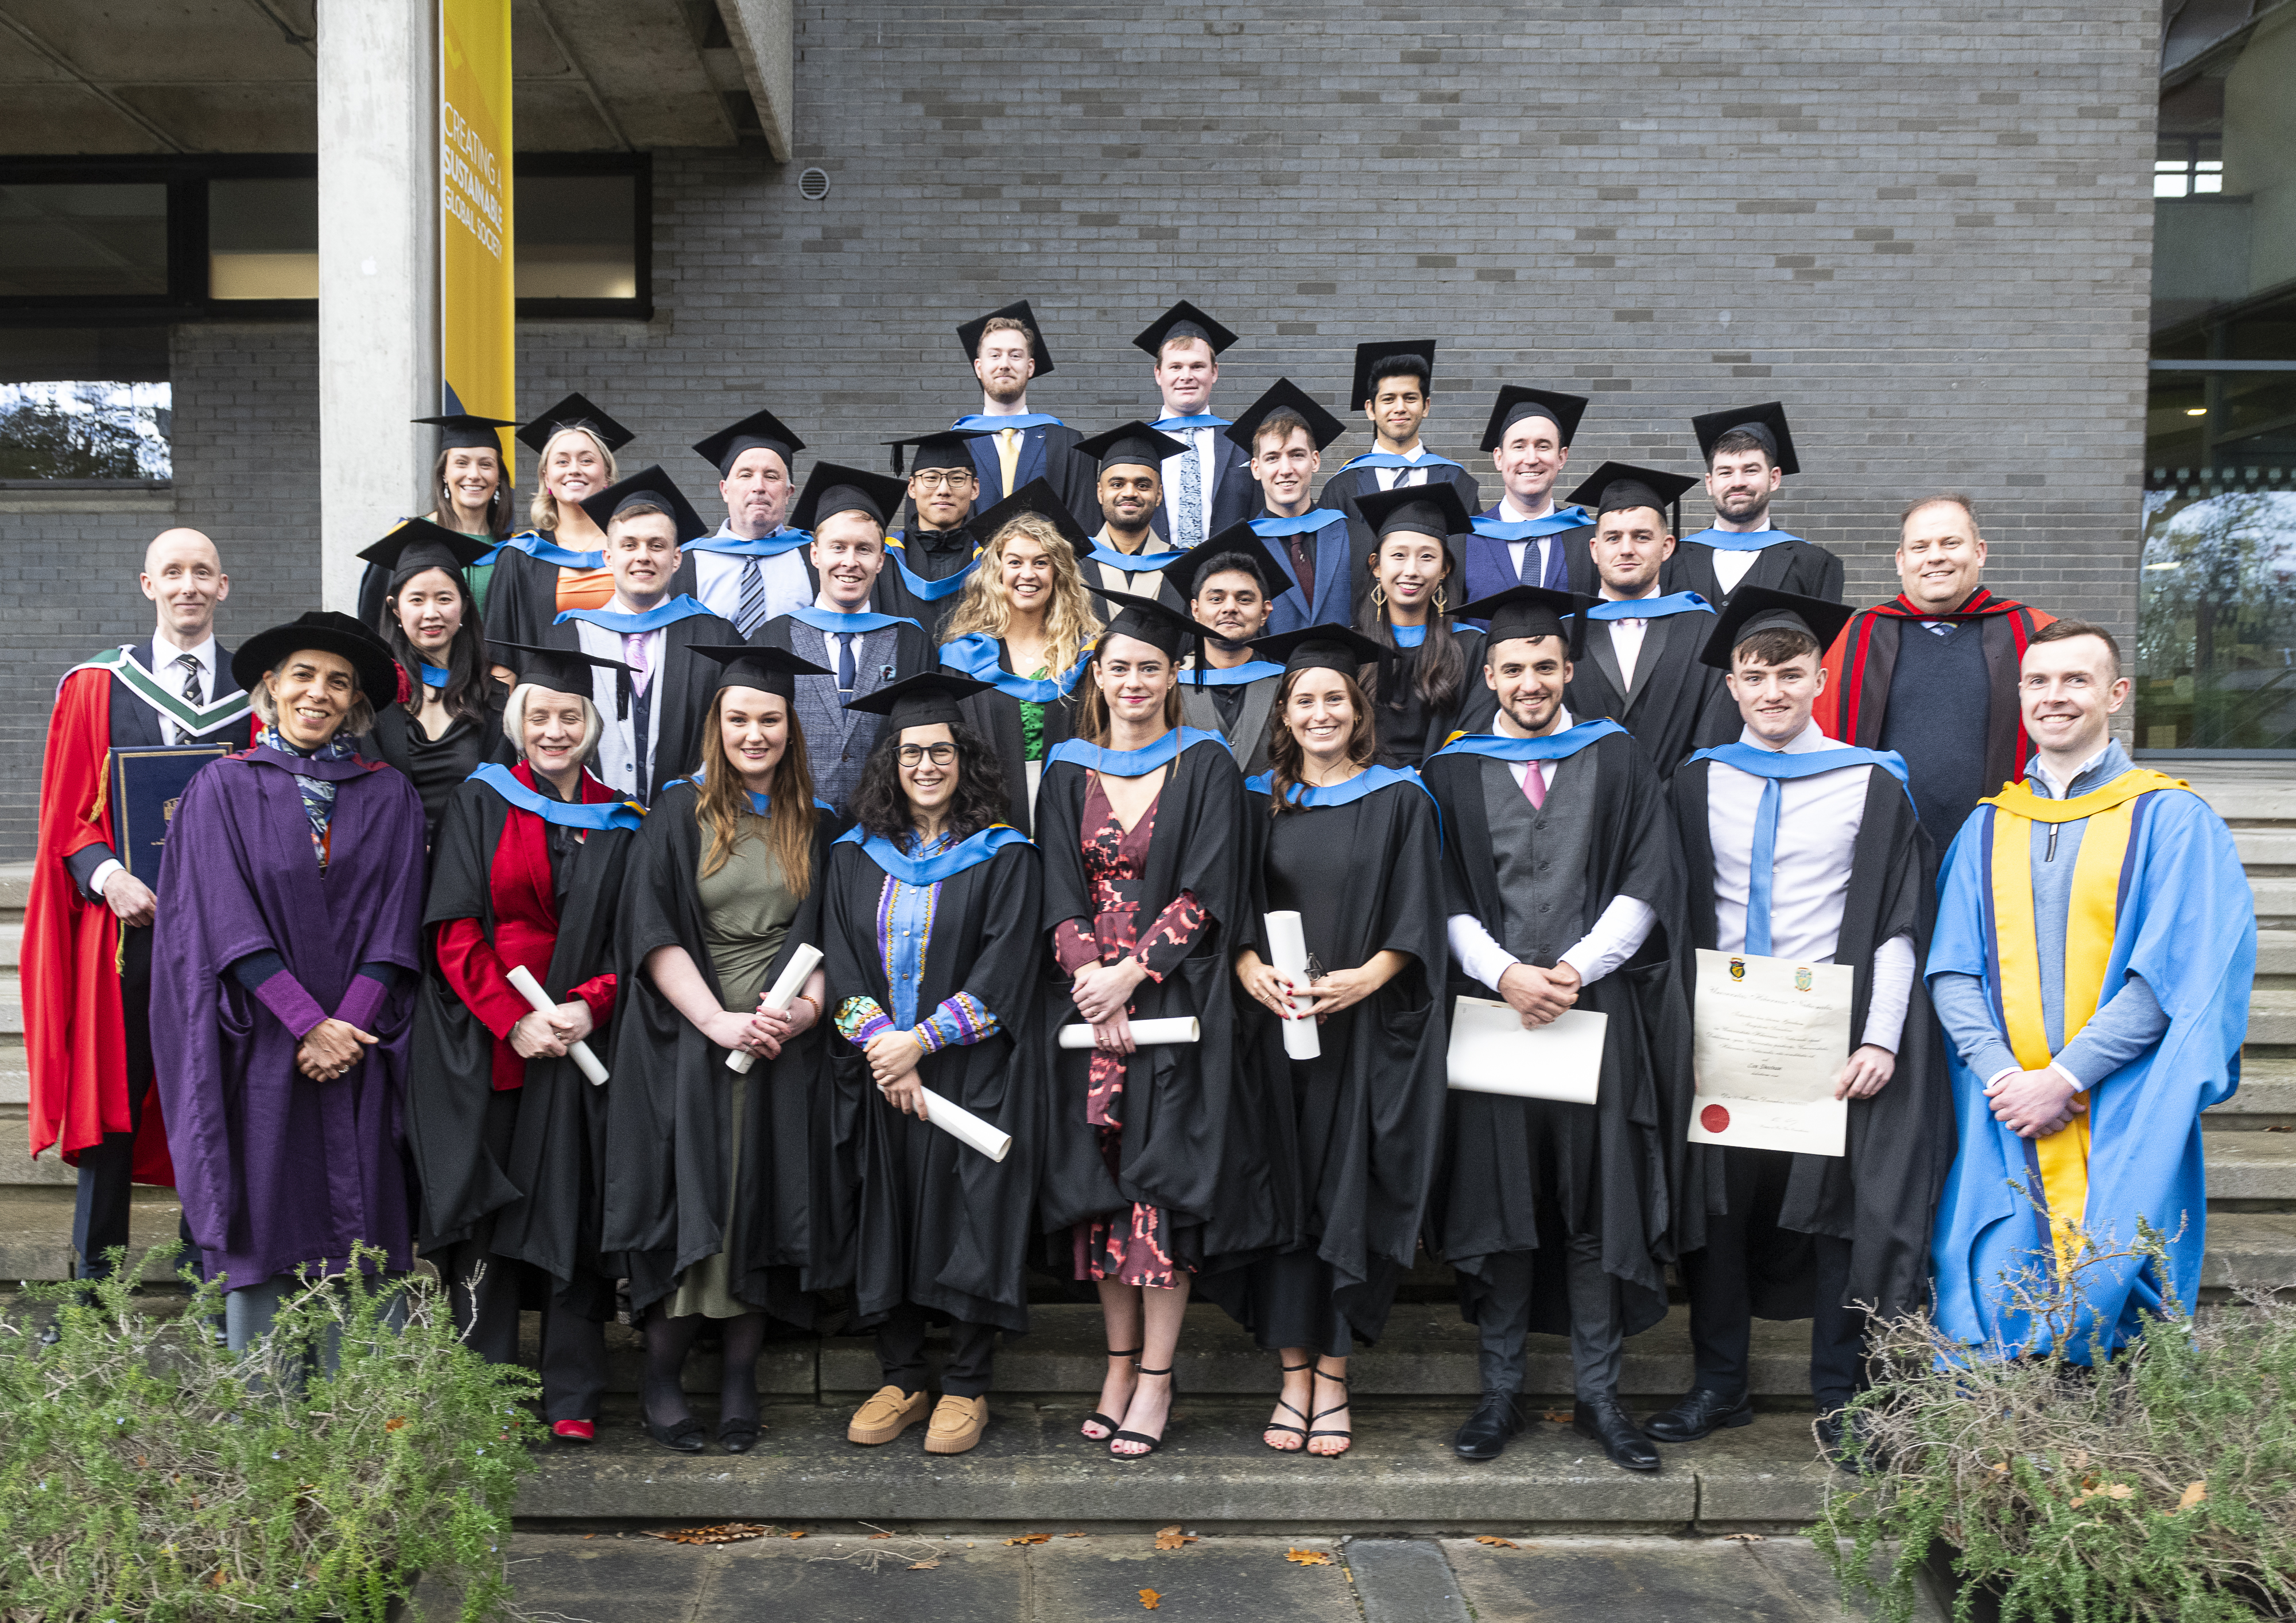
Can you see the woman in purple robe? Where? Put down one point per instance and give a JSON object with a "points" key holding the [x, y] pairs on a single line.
{"points": [[281, 996]]}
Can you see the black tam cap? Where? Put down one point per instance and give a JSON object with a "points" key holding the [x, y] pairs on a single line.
{"points": [[1152, 621], [759, 431], [1766, 423], [970, 333], [461, 431], [1321, 648], [769, 670], [574, 412], [1515, 403], [831, 488], [1616, 486], [1130, 443], [1757, 609], [922, 700], [1036, 497], [374, 666], [1389, 358], [648, 487], [1432, 509], [1183, 320], [562, 670], [1238, 542], [1532, 612], [941, 448], [1285, 395], [419, 545]]}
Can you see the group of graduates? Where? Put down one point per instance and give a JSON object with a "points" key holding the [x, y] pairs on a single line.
{"points": [[606, 911]]}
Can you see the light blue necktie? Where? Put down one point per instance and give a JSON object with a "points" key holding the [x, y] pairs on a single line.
{"points": [[1760, 869]]}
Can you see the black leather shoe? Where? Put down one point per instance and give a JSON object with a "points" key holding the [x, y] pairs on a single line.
{"points": [[1484, 1436], [688, 1435], [1702, 1411], [1607, 1423], [1839, 1440]]}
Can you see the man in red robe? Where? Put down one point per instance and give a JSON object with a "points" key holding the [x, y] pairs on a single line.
{"points": [[1932, 673], [88, 927]]}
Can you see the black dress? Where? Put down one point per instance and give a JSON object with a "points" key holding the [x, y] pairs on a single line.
{"points": [[1410, 729], [437, 766]]}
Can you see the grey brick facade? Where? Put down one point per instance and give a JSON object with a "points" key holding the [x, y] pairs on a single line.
{"points": [[1927, 228]]}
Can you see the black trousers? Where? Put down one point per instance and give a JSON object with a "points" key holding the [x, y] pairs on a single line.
{"points": [[1597, 1321], [965, 1372], [100, 1205], [1719, 1283], [573, 1344]]}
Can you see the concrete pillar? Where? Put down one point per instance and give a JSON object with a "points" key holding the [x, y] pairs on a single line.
{"points": [[378, 82]]}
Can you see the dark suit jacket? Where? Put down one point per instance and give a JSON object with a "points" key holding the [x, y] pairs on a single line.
{"points": [[1489, 565], [1047, 451], [1235, 493], [1801, 567]]}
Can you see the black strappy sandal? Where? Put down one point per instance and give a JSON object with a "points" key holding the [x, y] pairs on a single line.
{"points": [[1277, 1425], [1097, 1418], [1154, 1442], [1323, 1374]]}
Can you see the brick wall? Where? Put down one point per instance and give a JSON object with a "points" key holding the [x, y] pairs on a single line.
{"points": [[1925, 228]]}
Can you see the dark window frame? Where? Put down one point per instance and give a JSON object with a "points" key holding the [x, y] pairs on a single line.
{"points": [[187, 299]]}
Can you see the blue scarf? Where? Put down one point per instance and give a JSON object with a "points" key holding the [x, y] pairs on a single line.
{"points": [[1271, 528], [1354, 789], [1651, 608], [976, 657], [596, 815], [1134, 564], [944, 865], [1389, 459], [930, 591], [1777, 768], [1548, 747], [762, 805], [1019, 419], [764, 546], [831, 623], [1235, 676], [318, 793], [1412, 636], [679, 608], [1201, 420], [433, 677], [1529, 529], [548, 552], [1739, 540], [1132, 762]]}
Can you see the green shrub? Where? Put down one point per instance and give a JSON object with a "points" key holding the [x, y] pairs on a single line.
{"points": [[2159, 1483], [148, 1476]]}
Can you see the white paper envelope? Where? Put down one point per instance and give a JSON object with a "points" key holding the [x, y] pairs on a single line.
{"points": [[1492, 1053]]}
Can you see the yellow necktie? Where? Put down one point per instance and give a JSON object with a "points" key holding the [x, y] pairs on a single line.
{"points": [[1008, 456]]}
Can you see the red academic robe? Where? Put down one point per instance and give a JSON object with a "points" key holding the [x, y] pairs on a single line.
{"points": [[1858, 666]]}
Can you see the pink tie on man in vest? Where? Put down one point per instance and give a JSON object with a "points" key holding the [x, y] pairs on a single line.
{"points": [[634, 655], [1534, 783]]}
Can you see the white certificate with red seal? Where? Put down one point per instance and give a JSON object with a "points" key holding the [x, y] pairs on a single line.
{"points": [[1771, 1035]]}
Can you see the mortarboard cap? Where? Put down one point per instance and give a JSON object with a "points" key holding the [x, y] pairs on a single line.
{"points": [[417, 545], [1285, 395], [1036, 497], [1756, 609], [1532, 612], [970, 332], [1432, 509], [1515, 403], [1321, 648], [648, 487], [758, 431], [562, 670], [1130, 443], [574, 412], [1238, 540], [374, 664], [1616, 485], [461, 431], [1152, 621], [832, 488], [1183, 320], [1379, 360], [1766, 423], [941, 448], [769, 670], [922, 700]]}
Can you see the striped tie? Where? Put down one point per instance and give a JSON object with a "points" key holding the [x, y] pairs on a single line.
{"points": [[751, 612]]}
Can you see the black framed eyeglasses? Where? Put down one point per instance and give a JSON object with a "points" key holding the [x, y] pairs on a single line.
{"points": [[940, 755]]}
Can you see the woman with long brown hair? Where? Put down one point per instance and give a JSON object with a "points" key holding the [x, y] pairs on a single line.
{"points": [[1024, 625], [470, 485], [1358, 1124], [1433, 676], [709, 1170], [558, 561]]}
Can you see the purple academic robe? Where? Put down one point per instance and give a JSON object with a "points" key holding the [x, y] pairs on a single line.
{"points": [[276, 1170]]}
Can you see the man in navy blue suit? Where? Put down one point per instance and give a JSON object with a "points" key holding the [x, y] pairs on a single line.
{"points": [[1525, 539], [1320, 548], [1007, 349], [1207, 486]]}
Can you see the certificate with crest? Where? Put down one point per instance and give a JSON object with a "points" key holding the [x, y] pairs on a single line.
{"points": [[1771, 1038], [145, 783]]}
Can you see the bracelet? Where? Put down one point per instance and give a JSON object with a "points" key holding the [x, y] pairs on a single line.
{"points": [[807, 997]]}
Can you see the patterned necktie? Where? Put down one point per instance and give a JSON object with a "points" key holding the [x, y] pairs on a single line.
{"points": [[1188, 507], [191, 664], [1529, 574], [845, 664], [1534, 783], [1762, 865], [634, 655], [751, 613]]}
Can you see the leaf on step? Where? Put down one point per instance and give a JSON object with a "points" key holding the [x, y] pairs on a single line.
{"points": [[2194, 1492], [1072, 1535], [1556, 1417], [723, 1532], [1308, 1558], [796, 1532], [924, 1566], [1032, 1539], [881, 1535], [1741, 1538], [1497, 1544], [1167, 1538], [2119, 1491], [1151, 1600]]}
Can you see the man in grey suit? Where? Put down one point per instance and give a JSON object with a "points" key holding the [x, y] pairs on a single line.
{"points": [[1230, 585], [847, 510]]}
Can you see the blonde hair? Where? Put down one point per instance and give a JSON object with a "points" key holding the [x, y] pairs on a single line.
{"points": [[543, 515], [514, 719], [723, 803], [1069, 623]]}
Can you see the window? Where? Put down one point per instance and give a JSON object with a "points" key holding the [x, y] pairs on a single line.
{"points": [[2188, 165], [87, 406], [61, 238], [263, 238]]}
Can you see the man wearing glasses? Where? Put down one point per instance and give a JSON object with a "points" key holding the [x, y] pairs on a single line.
{"points": [[932, 555]]}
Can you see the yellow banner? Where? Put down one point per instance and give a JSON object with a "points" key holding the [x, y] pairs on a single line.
{"points": [[477, 309]]}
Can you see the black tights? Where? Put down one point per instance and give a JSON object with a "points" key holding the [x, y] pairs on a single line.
{"points": [[668, 1340]]}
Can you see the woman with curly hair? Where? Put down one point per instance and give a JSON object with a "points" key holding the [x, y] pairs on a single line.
{"points": [[930, 924], [1023, 626]]}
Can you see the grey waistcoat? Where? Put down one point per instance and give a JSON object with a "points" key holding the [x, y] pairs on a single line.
{"points": [[1541, 853]]}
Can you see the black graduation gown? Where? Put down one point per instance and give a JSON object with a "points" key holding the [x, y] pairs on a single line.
{"points": [[996, 717], [668, 1109], [930, 556], [1343, 488], [683, 684], [909, 1214], [1617, 1163], [1801, 567], [521, 597], [1189, 1143], [437, 766], [1676, 705], [1882, 1194], [1411, 731], [541, 1199], [1356, 1131]]}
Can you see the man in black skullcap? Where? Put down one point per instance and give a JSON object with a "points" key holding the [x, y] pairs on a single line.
{"points": [[1207, 486], [1564, 888], [1394, 388], [1320, 548], [1748, 453], [1227, 582]]}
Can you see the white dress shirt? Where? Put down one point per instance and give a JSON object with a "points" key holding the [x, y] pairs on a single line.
{"points": [[617, 764], [170, 674], [1731, 565], [1818, 820], [1511, 513], [717, 582], [1390, 478], [1626, 642], [1617, 935]]}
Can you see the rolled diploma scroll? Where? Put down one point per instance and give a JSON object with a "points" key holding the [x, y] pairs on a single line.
{"points": [[1146, 1033], [526, 986], [967, 1129], [1287, 950], [783, 994]]}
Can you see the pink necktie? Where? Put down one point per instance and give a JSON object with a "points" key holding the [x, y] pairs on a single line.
{"points": [[634, 655], [1533, 783]]}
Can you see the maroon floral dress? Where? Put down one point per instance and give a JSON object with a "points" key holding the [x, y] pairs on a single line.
{"points": [[1130, 1245]]}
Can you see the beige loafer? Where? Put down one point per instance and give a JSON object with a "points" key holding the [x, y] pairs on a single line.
{"points": [[957, 1423], [889, 1413]]}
